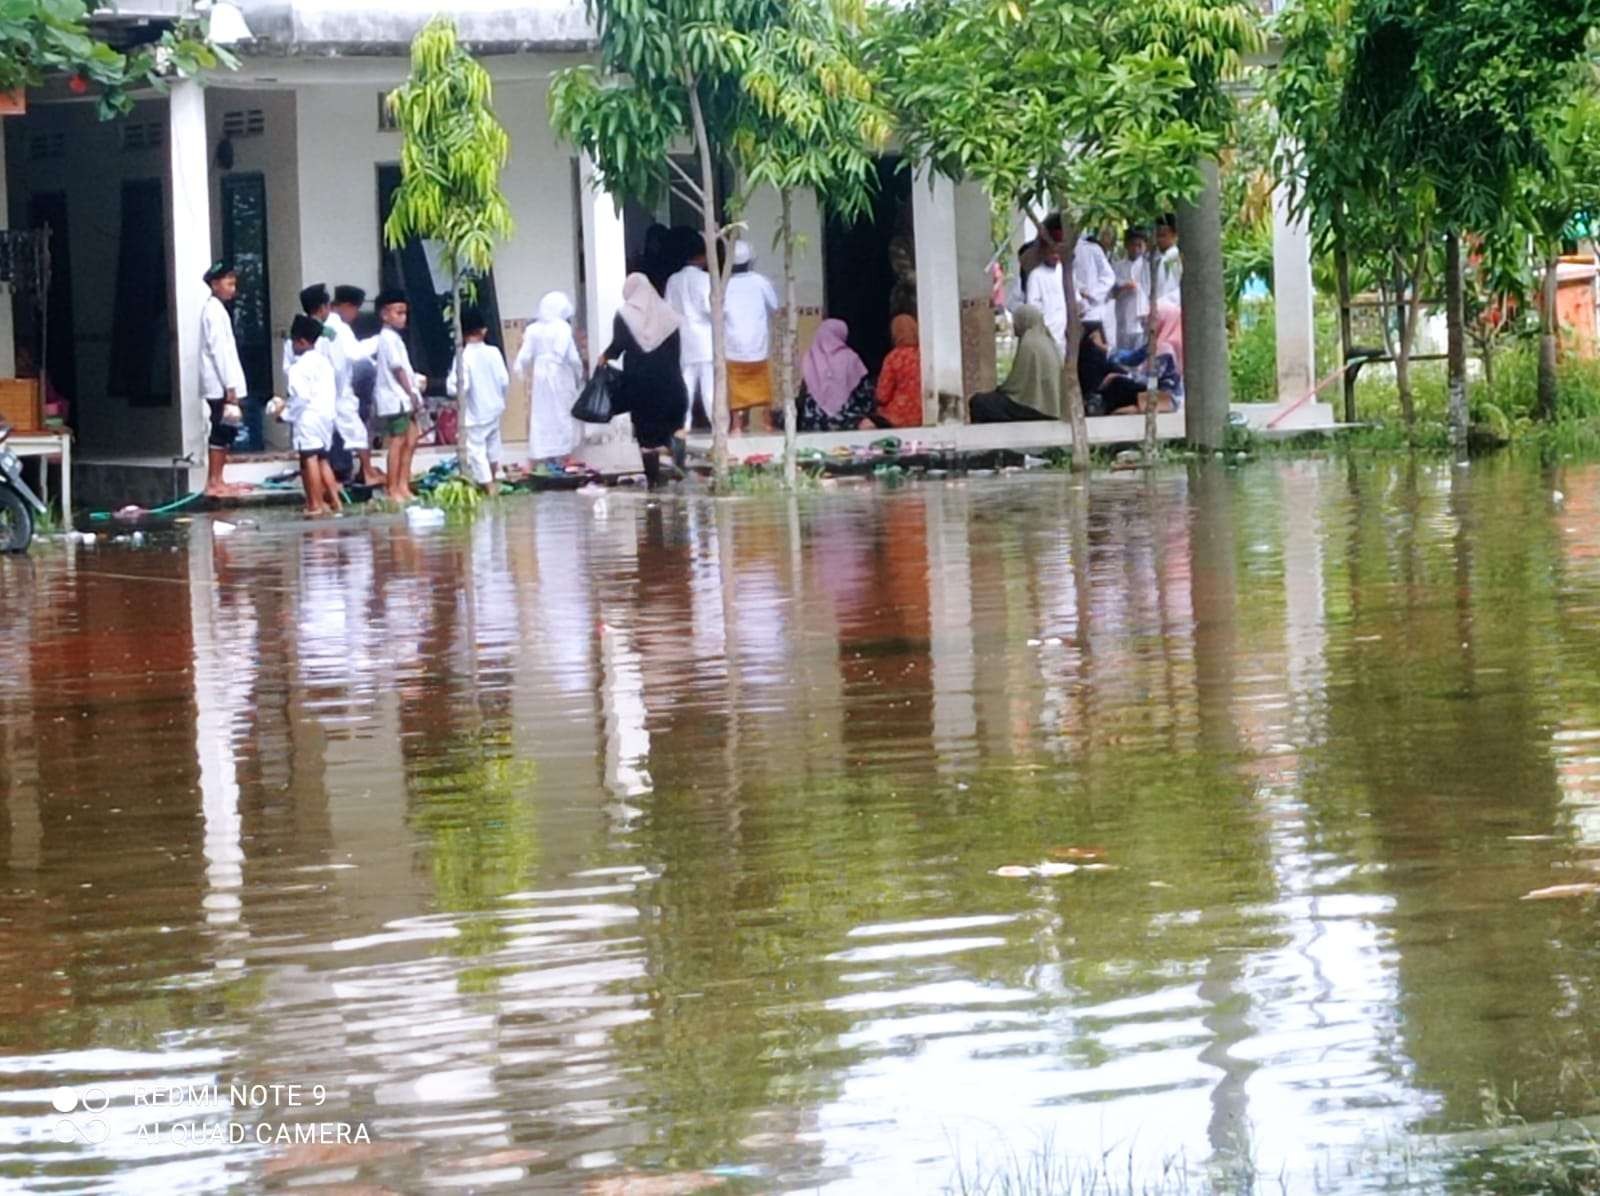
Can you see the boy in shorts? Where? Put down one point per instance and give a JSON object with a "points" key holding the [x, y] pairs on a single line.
{"points": [[397, 397], [312, 409], [485, 369]]}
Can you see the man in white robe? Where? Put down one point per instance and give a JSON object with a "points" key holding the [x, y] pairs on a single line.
{"points": [[689, 294]]}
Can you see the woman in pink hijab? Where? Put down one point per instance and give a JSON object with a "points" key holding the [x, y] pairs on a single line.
{"points": [[836, 394]]}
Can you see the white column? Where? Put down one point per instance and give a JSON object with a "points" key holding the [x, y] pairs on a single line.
{"points": [[1292, 301], [605, 258], [8, 359], [933, 214], [190, 232]]}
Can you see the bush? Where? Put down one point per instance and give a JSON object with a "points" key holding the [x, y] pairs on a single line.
{"points": [[1253, 357]]}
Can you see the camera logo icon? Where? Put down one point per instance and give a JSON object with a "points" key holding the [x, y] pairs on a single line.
{"points": [[91, 1131]]}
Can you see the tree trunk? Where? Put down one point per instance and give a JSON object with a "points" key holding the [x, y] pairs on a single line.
{"points": [[1207, 385], [791, 338], [1549, 342], [1456, 331], [1341, 259], [461, 375], [1152, 392], [711, 233], [1069, 375]]}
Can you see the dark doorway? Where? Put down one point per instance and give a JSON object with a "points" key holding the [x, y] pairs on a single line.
{"points": [[429, 335], [140, 371], [49, 210], [244, 243], [858, 277]]}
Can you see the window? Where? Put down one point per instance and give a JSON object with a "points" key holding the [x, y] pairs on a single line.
{"points": [[244, 122], [44, 147], [142, 135]]}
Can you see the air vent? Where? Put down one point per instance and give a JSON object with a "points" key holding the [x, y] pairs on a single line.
{"points": [[44, 147], [142, 135], [244, 122], [386, 120]]}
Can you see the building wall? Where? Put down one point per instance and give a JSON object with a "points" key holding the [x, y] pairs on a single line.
{"points": [[93, 163], [272, 153], [8, 361], [341, 147]]}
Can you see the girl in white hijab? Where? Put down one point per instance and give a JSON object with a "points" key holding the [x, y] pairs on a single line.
{"points": [[550, 363]]}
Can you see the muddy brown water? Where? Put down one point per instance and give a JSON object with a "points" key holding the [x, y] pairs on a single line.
{"points": [[669, 838]]}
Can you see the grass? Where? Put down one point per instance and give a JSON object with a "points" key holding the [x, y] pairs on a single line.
{"points": [[1507, 1156]]}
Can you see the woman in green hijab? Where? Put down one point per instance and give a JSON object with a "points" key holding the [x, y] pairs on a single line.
{"points": [[1033, 388]]}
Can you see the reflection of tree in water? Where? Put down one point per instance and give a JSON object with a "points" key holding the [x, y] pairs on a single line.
{"points": [[476, 818], [1440, 690]]}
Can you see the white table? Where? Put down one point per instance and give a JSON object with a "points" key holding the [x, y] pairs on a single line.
{"points": [[46, 445]]}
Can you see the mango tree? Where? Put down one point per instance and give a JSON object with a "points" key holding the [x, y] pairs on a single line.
{"points": [[671, 72], [815, 124], [451, 155], [1095, 108], [40, 38]]}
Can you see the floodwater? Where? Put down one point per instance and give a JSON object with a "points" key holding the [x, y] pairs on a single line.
{"points": [[595, 841]]}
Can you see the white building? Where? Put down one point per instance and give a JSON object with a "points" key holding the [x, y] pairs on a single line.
{"points": [[283, 166]]}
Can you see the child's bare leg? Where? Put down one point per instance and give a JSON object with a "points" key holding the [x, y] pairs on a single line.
{"points": [[370, 474], [311, 482], [397, 452], [330, 485]]}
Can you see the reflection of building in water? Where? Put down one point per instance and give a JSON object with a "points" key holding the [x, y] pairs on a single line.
{"points": [[954, 671]]}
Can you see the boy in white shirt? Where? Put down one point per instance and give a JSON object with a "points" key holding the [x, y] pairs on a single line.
{"points": [[1166, 284], [1133, 291], [346, 309], [1045, 291], [222, 383], [397, 395], [1095, 283], [484, 367], [311, 409], [689, 294]]}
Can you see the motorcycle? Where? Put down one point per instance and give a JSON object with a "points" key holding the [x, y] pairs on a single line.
{"points": [[17, 502]]}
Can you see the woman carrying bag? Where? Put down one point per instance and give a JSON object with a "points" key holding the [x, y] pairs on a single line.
{"points": [[650, 385]]}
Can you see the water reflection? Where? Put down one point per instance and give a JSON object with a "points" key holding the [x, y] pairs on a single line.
{"points": [[641, 835]]}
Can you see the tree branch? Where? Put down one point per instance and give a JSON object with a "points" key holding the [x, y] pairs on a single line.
{"points": [[688, 180]]}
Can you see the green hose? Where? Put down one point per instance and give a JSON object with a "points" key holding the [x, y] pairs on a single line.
{"points": [[174, 505]]}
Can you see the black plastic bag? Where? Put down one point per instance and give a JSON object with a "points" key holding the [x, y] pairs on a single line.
{"points": [[597, 402]]}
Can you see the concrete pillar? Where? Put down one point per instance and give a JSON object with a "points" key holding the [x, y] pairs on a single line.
{"points": [[8, 359], [189, 251], [933, 215], [1293, 299], [605, 258]]}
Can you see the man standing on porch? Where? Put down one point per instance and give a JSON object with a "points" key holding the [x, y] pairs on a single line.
{"points": [[747, 315], [689, 294], [222, 383]]}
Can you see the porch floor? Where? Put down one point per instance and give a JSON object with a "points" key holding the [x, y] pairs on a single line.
{"points": [[612, 452]]}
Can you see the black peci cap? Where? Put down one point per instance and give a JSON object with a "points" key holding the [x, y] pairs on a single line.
{"points": [[304, 328], [389, 298], [314, 297], [218, 270], [349, 294]]}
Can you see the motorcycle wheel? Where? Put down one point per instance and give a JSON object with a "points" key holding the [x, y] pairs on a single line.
{"points": [[16, 522]]}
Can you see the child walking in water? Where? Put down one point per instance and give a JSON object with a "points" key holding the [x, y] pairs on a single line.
{"points": [[484, 368], [312, 410]]}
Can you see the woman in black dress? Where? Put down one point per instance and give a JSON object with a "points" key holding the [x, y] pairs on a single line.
{"points": [[645, 336]]}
